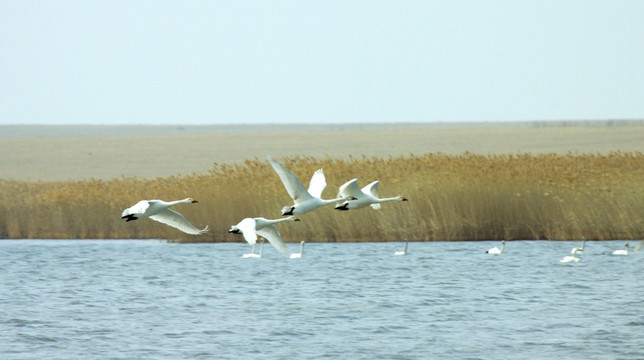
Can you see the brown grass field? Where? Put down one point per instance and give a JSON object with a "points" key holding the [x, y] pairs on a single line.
{"points": [[471, 183]]}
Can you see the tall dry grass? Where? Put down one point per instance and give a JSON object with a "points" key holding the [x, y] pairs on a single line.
{"points": [[465, 197]]}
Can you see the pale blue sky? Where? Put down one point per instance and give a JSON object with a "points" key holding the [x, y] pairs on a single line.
{"points": [[210, 62]]}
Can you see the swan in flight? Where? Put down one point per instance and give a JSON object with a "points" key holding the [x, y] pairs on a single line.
{"points": [[159, 210], [583, 244], [404, 251], [251, 227], [304, 200], [252, 253], [299, 255], [368, 195], [496, 251], [621, 252], [571, 258]]}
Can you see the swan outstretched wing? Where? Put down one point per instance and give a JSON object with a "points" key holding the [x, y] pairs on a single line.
{"points": [[317, 184], [176, 220], [372, 189], [292, 184], [273, 236], [137, 209], [349, 188], [247, 227]]}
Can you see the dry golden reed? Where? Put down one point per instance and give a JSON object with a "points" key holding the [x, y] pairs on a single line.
{"points": [[452, 197]]}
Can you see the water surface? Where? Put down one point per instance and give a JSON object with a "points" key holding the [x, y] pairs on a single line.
{"points": [[154, 300]]}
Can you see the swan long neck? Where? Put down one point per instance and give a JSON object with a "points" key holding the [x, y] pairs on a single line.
{"points": [[177, 202], [301, 248], [261, 248], [502, 247], [396, 198], [277, 221]]}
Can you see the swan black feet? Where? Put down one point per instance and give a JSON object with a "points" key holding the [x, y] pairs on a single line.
{"points": [[129, 217], [342, 207]]}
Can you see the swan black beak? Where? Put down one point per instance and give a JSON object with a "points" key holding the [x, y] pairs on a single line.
{"points": [[296, 219]]}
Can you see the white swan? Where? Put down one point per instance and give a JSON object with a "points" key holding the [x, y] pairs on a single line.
{"points": [[158, 210], [251, 227], [368, 195], [404, 251], [304, 200], [571, 258], [639, 246], [496, 251], [621, 252], [580, 249], [252, 253], [299, 255]]}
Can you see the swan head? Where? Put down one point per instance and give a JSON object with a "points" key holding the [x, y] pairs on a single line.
{"points": [[626, 245], [402, 198], [288, 210], [351, 198], [234, 230], [293, 218], [192, 200]]}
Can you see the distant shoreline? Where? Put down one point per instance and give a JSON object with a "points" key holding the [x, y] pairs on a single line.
{"points": [[53, 131], [55, 153]]}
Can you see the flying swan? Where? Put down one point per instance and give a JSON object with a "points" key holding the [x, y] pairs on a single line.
{"points": [[571, 258], [251, 227], [299, 255], [159, 210], [368, 195], [496, 251], [304, 200], [621, 252]]}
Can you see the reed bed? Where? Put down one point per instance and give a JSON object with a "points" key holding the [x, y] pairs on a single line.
{"points": [[451, 197]]}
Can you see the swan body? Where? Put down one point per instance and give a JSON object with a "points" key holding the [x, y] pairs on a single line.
{"points": [[251, 227], [571, 258], [621, 252], [404, 251], [368, 195], [299, 255], [252, 253], [496, 251], [304, 200], [160, 211]]}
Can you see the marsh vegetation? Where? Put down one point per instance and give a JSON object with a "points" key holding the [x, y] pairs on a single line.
{"points": [[451, 197]]}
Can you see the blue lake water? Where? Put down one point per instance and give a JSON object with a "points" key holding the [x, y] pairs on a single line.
{"points": [[444, 300]]}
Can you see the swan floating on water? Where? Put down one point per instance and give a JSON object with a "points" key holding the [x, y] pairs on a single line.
{"points": [[621, 252], [639, 246], [583, 244], [496, 251], [368, 195], [251, 227], [159, 210], [252, 253], [299, 255], [571, 258], [304, 200], [404, 251]]}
